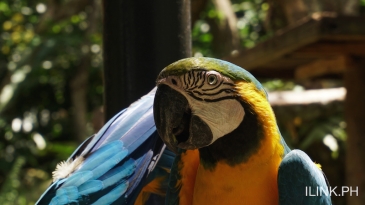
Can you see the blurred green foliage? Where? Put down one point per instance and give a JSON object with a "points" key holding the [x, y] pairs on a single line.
{"points": [[250, 16], [40, 55]]}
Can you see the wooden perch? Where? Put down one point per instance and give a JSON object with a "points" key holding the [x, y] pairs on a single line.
{"points": [[316, 40], [321, 67], [322, 96]]}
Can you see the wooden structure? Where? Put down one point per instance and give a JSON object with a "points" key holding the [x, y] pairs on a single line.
{"points": [[315, 46], [322, 45]]}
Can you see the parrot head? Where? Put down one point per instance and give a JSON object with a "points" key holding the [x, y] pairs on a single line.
{"points": [[201, 100]]}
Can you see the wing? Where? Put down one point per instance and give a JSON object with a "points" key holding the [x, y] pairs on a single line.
{"points": [[113, 166], [154, 191], [299, 179]]}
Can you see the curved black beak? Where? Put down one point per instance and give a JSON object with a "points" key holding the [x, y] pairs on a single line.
{"points": [[176, 124]]}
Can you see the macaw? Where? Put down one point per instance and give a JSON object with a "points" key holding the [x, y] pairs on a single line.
{"points": [[216, 117], [124, 163]]}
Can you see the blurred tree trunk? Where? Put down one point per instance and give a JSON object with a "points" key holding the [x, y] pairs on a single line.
{"points": [[79, 82], [79, 86], [355, 118], [226, 37], [197, 6], [140, 39]]}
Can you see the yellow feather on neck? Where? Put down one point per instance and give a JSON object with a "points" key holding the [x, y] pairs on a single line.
{"points": [[265, 115], [248, 182]]}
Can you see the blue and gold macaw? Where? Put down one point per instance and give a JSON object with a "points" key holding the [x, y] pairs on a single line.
{"points": [[124, 163], [216, 116]]}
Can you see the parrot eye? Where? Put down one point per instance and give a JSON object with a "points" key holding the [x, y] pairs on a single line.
{"points": [[212, 79]]}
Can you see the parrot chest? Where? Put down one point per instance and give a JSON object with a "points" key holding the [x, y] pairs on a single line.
{"points": [[240, 184]]}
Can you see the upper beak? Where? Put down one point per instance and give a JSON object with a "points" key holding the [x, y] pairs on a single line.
{"points": [[171, 113], [175, 123]]}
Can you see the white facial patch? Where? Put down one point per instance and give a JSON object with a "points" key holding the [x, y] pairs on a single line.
{"points": [[221, 116]]}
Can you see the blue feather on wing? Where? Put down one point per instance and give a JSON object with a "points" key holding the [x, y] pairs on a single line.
{"points": [[297, 174], [115, 163]]}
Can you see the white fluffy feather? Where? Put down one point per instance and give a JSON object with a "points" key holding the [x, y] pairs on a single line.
{"points": [[65, 168]]}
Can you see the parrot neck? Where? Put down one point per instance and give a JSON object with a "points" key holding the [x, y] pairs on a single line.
{"points": [[243, 165], [236, 147], [257, 138]]}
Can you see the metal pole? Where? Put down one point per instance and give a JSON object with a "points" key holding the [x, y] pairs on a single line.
{"points": [[141, 38]]}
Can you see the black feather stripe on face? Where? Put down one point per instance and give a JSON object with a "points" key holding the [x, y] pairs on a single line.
{"points": [[195, 84]]}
